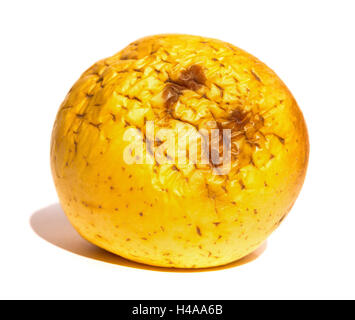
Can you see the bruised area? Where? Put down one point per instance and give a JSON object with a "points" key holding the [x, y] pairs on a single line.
{"points": [[193, 78], [236, 120]]}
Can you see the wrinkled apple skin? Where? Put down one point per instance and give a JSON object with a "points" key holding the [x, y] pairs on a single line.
{"points": [[178, 215]]}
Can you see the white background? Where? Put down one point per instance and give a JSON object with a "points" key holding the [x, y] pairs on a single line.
{"points": [[46, 45]]}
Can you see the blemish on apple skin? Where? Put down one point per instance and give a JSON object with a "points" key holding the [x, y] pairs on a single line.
{"points": [[113, 117], [282, 218], [191, 78], [198, 230], [171, 94], [255, 75]]}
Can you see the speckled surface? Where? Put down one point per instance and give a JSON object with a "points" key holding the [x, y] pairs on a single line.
{"points": [[173, 214]]}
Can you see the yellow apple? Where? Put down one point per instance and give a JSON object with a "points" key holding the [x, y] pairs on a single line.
{"points": [[124, 187]]}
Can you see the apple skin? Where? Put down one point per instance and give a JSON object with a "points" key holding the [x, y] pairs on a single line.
{"points": [[173, 214]]}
